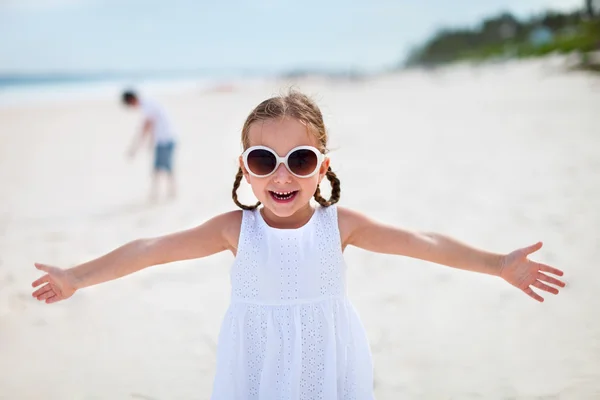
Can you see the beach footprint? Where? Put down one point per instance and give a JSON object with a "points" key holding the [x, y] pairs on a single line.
{"points": [[18, 302], [55, 237], [6, 280], [142, 396], [143, 222], [39, 322], [443, 278]]}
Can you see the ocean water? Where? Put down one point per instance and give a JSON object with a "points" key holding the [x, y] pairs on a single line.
{"points": [[18, 90]]}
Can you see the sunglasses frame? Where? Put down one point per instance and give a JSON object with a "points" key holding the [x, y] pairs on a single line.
{"points": [[283, 160]]}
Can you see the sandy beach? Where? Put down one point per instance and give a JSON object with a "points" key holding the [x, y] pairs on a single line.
{"points": [[499, 156]]}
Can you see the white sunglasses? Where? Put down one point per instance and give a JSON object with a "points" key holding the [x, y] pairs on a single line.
{"points": [[301, 161]]}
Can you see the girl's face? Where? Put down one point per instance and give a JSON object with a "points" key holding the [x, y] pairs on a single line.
{"points": [[283, 193]]}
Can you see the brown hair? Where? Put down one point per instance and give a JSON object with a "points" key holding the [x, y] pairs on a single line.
{"points": [[298, 106]]}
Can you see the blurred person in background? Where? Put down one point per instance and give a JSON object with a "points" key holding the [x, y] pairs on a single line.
{"points": [[157, 129]]}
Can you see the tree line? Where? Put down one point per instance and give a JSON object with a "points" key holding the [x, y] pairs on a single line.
{"points": [[506, 36]]}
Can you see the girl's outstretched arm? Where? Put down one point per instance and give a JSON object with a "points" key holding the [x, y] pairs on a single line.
{"points": [[363, 232], [215, 235]]}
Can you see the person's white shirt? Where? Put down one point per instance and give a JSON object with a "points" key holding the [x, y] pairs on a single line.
{"points": [[162, 127]]}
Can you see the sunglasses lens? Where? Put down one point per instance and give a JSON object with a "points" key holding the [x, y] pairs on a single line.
{"points": [[303, 162], [261, 162]]}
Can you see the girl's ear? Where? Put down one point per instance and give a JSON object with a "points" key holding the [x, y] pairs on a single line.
{"points": [[324, 168], [244, 171]]}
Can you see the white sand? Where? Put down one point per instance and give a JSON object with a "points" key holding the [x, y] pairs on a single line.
{"points": [[500, 157]]}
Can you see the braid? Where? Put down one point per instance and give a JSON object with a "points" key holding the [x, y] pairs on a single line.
{"points": [[236, 185], [335, 190]]}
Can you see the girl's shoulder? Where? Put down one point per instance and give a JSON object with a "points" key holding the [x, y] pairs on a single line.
{"points": [[229, 223], [348, 222]]}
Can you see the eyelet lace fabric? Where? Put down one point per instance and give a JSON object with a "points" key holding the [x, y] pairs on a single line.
{"points": [[290, 332]]}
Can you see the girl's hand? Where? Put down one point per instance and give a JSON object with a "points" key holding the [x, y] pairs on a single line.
{"points": [[59, 284], [519, 271]]}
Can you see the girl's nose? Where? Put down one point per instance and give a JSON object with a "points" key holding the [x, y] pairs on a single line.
{"points": [[282, 175]]}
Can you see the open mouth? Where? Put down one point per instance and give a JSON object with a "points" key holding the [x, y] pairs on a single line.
{"points": [[283, 197]]}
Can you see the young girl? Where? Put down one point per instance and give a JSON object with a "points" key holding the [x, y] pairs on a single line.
{"points": [[290, 332]]}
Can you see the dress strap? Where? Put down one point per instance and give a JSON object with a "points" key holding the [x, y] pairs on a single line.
{"points": [[247, 230]]}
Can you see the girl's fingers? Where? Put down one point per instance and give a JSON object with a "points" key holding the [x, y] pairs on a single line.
{"points": [[533, 294], [52, 299], [543, 277], [41, 290], [43, 279], [547, 268], [46, 295], [545, 287], [532, 249], [43, 267]]}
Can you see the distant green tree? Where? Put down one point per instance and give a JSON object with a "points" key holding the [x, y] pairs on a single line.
{"points": [[505, 35]]}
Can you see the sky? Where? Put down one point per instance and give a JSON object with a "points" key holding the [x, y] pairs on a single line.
{"points": [[256, 35]]}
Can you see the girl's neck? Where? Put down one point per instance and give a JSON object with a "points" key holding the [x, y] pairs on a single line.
{"points": [[294, 221]]}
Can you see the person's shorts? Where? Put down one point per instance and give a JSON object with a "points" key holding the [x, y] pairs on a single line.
{"points": [[163, 157]]}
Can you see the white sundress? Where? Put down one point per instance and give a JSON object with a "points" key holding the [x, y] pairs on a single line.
{"points": [[290, 332]]}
